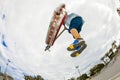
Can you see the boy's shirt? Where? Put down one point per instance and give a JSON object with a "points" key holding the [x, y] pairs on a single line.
{"points": [[69, 18]]}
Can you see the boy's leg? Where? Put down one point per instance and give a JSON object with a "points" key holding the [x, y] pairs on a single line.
{"points": [[77, 42], [75, 33], [74, 29]]}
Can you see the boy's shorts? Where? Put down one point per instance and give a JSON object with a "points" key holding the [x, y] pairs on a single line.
{"points": [[76, 23]]}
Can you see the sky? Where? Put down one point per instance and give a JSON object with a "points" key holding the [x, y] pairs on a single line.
{"points": [[23, 29]]}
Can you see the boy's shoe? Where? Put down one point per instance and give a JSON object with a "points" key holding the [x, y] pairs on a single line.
{"points": [[77, 52], [76, 44]]}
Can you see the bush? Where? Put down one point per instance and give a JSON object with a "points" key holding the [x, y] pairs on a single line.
{"points": [[83, 77], [72, 78], [96, 69], [38, 77]]}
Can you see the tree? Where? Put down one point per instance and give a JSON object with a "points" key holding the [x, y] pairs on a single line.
{"points": [[83, 77], [72, 78], [28, 77], [38, 77], [96, 69]]}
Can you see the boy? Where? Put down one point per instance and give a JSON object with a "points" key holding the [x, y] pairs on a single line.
{"points": [[75, 23]]}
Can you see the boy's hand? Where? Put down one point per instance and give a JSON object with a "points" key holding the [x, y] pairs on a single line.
{"points": [[118, 10]]}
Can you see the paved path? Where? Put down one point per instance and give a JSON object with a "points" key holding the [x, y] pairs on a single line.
{"points": [[116, 77], [111, 71]]}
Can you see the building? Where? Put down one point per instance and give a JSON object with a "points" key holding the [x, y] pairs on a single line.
{"points": [[5, 77]]}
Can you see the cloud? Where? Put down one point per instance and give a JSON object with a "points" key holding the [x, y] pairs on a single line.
{"points": [[25, 28]]}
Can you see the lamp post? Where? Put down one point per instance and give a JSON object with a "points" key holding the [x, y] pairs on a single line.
{"points": [[77, 67], [64, 77], [5, 77], [0, 69]]}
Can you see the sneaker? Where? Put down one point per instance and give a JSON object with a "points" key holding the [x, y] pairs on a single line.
{"points": [[78, 52], [76, 44]]}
